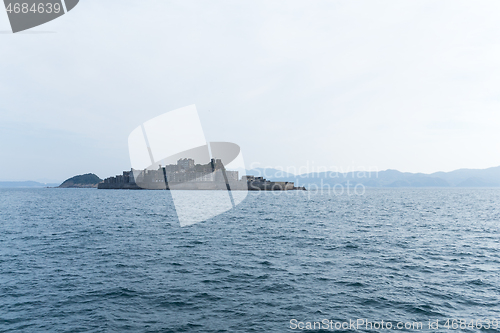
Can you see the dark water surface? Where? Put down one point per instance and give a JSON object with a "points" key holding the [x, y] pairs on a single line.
{"points": [[117, 261]]}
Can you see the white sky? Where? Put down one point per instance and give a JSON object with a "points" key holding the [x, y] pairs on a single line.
{"points": [[407, 85]]}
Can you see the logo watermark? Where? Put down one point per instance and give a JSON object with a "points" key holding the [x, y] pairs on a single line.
{"points": [[205, 179], [26, 14], [170, 152]]}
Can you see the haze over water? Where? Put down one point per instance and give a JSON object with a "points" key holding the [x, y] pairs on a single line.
{"points": [[117, 261]]}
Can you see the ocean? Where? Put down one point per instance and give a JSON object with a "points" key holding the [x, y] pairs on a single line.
{"points": [[86, 260]]}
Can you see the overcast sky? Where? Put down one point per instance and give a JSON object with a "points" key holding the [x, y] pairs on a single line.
{"points": [[407, 85]]}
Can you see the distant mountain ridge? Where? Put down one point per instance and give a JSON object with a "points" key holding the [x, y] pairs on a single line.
{"points": [[26, 184], [388, 178]]}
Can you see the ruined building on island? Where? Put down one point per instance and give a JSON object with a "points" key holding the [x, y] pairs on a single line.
{"points": [[186, 175]]}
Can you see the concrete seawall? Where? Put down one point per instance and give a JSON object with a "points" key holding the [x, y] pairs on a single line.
{"points": [[209, 186]]}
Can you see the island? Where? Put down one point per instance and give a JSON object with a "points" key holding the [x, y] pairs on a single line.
{"points": [[88, 180], [186, 175]]}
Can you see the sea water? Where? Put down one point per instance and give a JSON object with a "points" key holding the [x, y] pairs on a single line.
{"points": [[85, 260]]}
